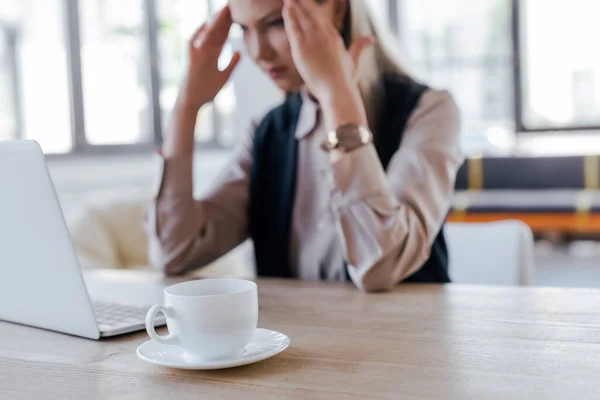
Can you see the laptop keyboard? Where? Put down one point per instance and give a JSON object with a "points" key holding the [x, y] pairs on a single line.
{"points": [[114, 316]]}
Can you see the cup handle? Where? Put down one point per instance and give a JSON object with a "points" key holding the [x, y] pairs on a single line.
{"points": [[169, 339]]}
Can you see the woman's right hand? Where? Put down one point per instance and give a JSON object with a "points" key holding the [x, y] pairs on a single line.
{"points": [[204, 80], [201, 83]]}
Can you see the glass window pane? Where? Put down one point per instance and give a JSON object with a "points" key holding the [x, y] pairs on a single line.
{"points": [[464, 46], [177, 21], [485, 92], [561, 76], [10, 12], [115, 72], [8, 112], [438, 31], [41, 58]]}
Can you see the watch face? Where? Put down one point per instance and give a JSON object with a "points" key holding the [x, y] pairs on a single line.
{"points": [[352, 136], [347, 138], [348, 130]]}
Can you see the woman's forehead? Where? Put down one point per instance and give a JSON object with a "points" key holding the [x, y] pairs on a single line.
{"points": [[254, 11]]}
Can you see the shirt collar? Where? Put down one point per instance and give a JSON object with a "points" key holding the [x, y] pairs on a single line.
{"points": [[309, 114]]}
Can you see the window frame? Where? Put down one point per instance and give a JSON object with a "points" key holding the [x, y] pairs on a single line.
{"points": [[81, 146], [9, 34], [519, 94], [73, 43]]}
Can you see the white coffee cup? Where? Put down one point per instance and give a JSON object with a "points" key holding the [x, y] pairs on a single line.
{"points": [[208, 319]]}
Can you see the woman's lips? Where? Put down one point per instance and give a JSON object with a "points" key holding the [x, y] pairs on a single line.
{"points": [[276, 72]]}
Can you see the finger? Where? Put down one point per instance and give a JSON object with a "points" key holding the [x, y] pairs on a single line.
{"points": [[235, 60], [310, 6], [306, 13], [197, 36], [359, 45], [219, 28], [292, 25]]}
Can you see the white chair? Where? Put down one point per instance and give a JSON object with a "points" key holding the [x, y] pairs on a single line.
{"points": [[491, 253], [111, 235]]}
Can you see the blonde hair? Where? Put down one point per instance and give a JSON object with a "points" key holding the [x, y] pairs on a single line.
{"points": [[377, 61]]}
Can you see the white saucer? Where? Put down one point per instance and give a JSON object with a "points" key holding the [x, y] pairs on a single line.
{"points": [[266, 344]]}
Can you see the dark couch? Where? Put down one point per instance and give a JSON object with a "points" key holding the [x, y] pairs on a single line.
{"points": [[560, 193]]}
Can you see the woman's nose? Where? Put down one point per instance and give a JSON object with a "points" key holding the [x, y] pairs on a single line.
{"points": [[259, 47]]}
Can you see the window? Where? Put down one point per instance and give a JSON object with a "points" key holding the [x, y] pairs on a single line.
{"points": [[36, 39], [114, 72], [99, 75], [464, 46], [8, 111], [560, 64]]}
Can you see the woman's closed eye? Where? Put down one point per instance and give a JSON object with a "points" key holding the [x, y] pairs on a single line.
{"points": [[276, 22]]}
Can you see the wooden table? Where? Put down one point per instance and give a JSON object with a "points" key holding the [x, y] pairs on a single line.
{"points": [[419, 342]]}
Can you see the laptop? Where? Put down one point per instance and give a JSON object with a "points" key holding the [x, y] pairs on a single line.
{"points": [[41, 282]]}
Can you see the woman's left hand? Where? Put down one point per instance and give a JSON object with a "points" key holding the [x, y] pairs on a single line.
{"points": [[329, 70]]}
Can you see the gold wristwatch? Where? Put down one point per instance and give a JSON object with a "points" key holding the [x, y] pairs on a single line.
{"points": [[347, 138]]}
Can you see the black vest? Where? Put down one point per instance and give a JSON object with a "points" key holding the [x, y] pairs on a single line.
{"points": [[273, 178]]}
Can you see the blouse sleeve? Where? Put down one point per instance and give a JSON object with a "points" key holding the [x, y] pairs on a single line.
{"points": [[187, 233], [387, 221]]}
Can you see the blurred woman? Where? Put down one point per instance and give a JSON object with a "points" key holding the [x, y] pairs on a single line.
{"points": [[350, 178]]}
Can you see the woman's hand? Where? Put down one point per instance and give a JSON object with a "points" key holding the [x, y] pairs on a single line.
{"points": [[201, 84], [329, 70], [204, 80]]}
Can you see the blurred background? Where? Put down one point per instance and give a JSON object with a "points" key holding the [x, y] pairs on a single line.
{"points": [[94, 81]]}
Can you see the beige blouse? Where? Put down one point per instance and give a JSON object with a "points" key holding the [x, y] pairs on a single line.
{"points": [[381, 223]]}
